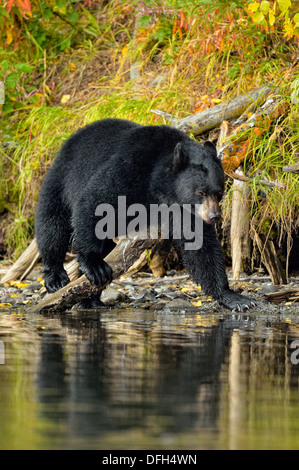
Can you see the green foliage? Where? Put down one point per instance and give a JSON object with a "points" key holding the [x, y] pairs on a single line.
{"points": [[55, 23], [203, 51], [12, 72]]}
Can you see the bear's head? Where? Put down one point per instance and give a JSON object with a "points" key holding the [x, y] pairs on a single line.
{"points": [[199, 178]]}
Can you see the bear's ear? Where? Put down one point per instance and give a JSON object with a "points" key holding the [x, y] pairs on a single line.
{"points": [[210, 147], [180, 158]]}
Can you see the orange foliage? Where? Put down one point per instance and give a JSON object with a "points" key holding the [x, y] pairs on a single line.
{"points": [[23, 6], [233, 154]]}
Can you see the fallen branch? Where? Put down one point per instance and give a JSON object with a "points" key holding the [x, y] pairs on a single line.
{"points": [[292, 168], [289, 295], [213, 117], [244, 178], [120, 259]]}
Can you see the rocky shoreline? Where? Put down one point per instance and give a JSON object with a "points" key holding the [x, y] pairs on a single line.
{"points": [[175, 291]]}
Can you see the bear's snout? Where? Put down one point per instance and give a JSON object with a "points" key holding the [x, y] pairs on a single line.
{"points": [[209, 210]]}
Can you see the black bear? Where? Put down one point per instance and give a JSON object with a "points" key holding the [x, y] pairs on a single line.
{"points": [[146, 164]]}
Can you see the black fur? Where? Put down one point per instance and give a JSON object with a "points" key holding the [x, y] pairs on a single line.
{"points": [[148, 165]]}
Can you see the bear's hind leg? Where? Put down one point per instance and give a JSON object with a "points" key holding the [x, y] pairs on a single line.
{"points": [[53, 232]]}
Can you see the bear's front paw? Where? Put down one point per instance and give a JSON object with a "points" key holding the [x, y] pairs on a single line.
{"points": [[55, 279], [236, 302], [98, 272]]}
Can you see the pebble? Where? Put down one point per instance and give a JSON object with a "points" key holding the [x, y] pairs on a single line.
{"points": [[268, 288], [111, 296], [179, 303]]}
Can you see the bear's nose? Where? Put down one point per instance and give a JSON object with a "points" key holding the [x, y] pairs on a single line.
{"points": [[214, 217]]}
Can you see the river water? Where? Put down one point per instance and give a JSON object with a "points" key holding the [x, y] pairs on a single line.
{"points": [[139, 379]]}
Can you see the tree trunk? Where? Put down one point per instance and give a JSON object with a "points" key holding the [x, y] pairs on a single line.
{"points": [[239, 230]]}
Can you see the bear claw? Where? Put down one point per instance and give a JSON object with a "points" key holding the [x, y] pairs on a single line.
{"points": [[98, 274], [55, 280], [236, 302]]}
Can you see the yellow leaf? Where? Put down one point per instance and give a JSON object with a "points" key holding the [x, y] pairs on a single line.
{"points": [[14, 295], [271, 17], [197, 304], [253, 6], [72, 66], [9, 36], [19, 284], [284, 4], [289, 29], [258, 17], [216, 100], [5, 304], [65, 99], [265, 7]]}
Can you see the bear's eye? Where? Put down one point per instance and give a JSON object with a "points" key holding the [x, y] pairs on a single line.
{"points": [[200, 194]]}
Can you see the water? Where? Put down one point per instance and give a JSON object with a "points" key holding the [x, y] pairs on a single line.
{"points": [[136, 379]]}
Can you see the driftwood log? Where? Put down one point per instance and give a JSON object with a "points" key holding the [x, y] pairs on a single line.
{"points": [[213, 117], [287, 295], [24, 264], [121, 258]]}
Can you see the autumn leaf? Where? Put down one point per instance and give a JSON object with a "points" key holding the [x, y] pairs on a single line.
{"points": [[288, 28], [9, 36], [23, 6], [258, 17], [265, 7], [65, 99], [253, 7], [19, 284], [284, 4], [271, 17]]}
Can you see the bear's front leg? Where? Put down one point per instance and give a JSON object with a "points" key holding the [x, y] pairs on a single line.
{"points": [[97, 271], [91, 250], [207, 268]]}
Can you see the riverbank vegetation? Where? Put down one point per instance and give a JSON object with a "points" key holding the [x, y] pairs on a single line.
{"points": [[68, 63]]}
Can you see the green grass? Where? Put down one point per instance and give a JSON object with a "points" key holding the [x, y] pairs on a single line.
{"points": [[190, 64]]}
